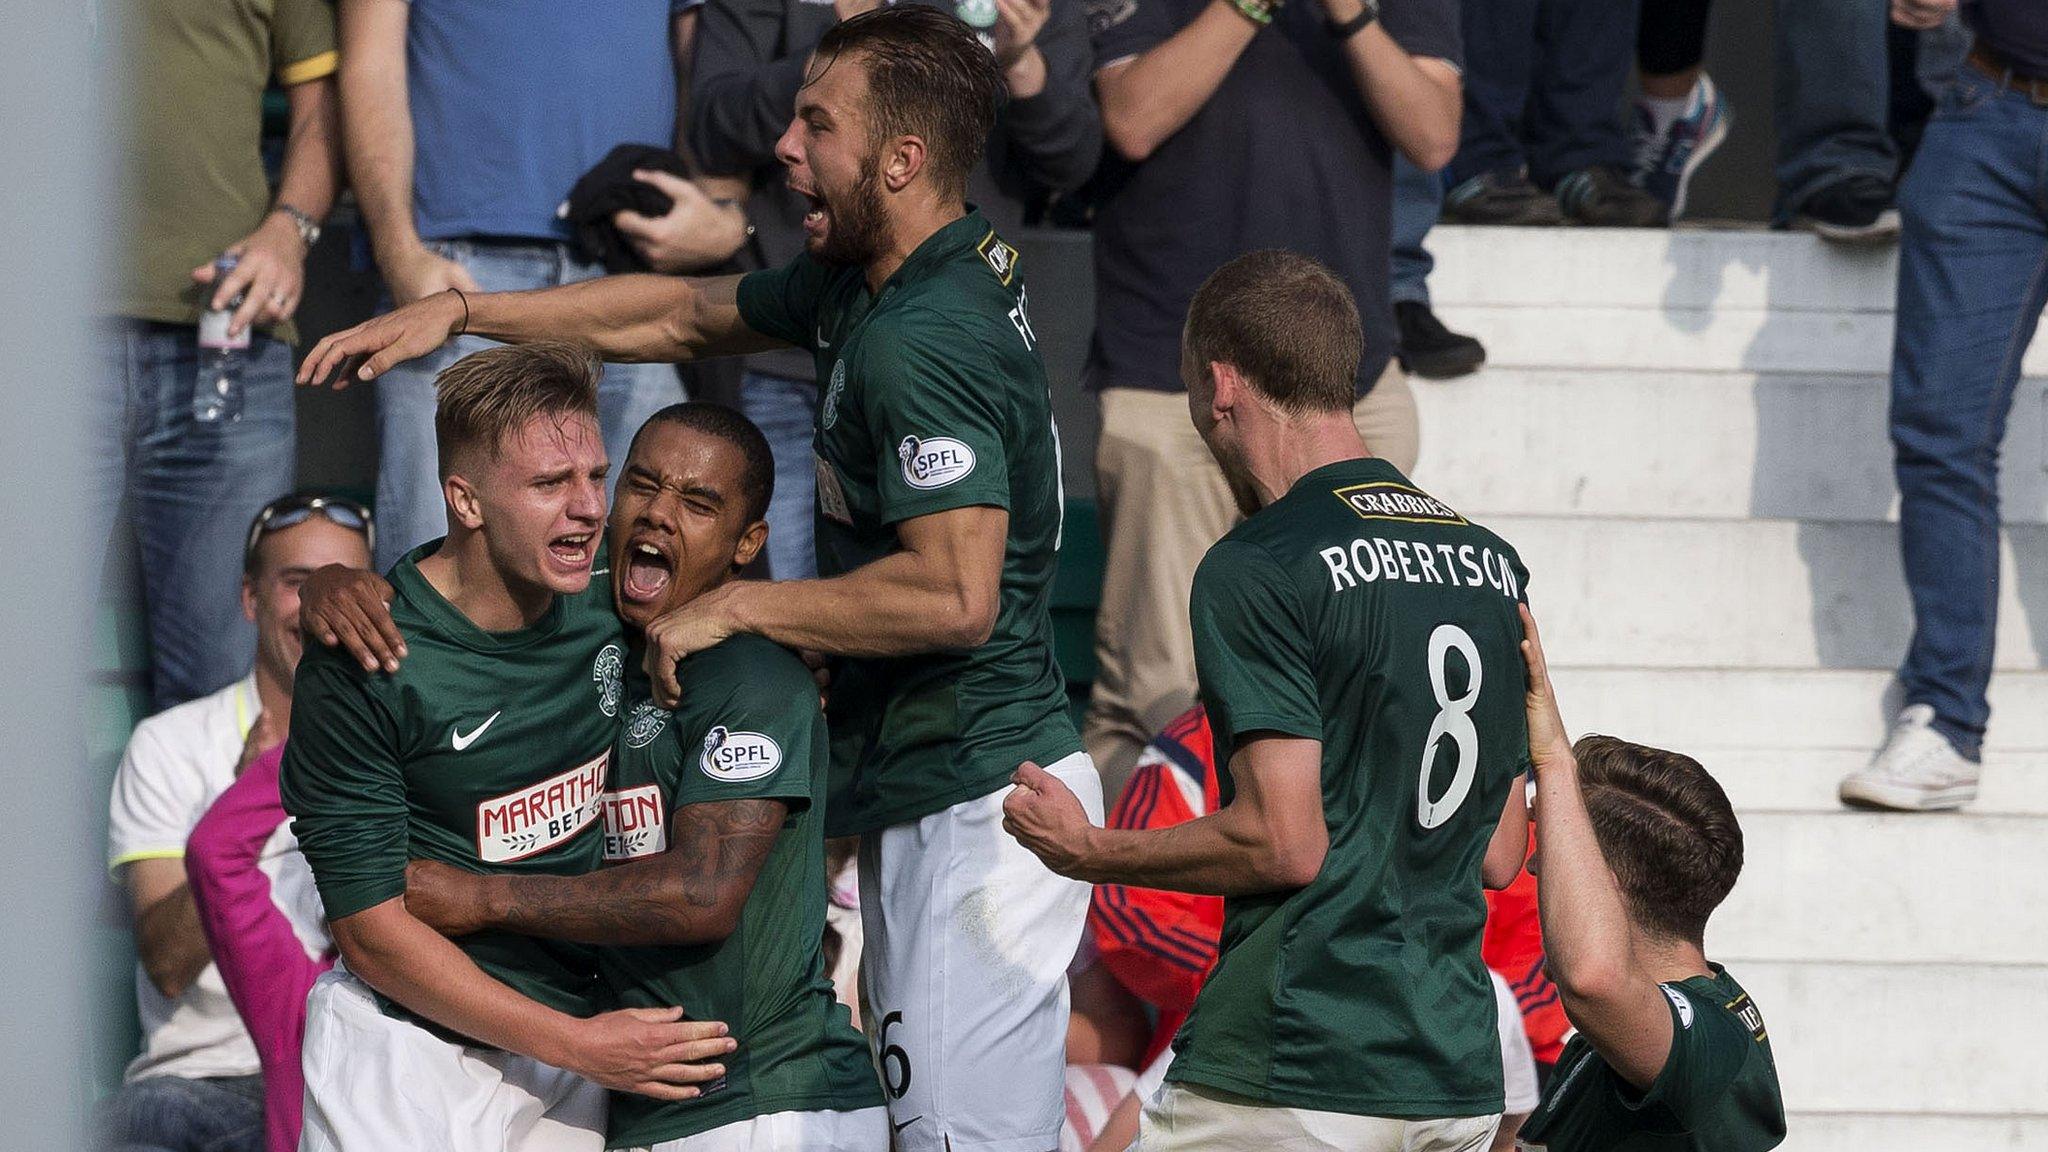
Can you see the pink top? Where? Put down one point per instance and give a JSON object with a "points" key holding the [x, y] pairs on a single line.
{"points": [[260, 956]]}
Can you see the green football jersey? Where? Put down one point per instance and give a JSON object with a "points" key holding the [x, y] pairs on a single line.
{"points": [[936, 400], [1717, 1092], [485, 750], [1358, 611], [748, 728]]}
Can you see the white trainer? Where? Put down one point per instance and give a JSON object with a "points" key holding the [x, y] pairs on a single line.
{"points": [[1916, 770]]}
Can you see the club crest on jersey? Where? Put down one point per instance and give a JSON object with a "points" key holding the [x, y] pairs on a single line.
{"points": [[608, 672], [738, 756], [1002, 259], [934, 462], [646, 723], [1386, 500], [634, 823], [830, 413], [536, 818]]}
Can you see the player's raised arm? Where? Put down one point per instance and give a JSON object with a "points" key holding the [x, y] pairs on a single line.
{"points": [[1588, 938], [690, 894], [623, 318]]}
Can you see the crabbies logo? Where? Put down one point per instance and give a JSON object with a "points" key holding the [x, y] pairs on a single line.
{"points": [[1002, 259], [535, 819], [934, 463], [1385, 500], [608, 671], [830, 415], [634, 823], [646, 723], [738, 756]]}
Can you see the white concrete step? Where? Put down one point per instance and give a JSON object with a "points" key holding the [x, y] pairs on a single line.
{"points": [[1896, 1132], [1859, 887], [1706, 711], [1727, 445], [1803, 780], [1747, 594], [1906, 1038]]}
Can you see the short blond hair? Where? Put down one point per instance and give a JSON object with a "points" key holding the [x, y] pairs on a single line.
{"points": [[486, 396]]}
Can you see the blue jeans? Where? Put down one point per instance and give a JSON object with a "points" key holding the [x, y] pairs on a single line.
{"points": [[1973, 278], [784, 410], [174, 1114], [189, 492], [1543, 87], [410, 510], [1831, 96], [1418, 199]]}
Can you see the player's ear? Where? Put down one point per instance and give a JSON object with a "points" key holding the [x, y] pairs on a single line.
{"points": [[463, 506], [249, 597], [750, 544], [906, 158]]}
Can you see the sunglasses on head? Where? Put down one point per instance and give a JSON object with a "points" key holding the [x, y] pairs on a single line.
{"points": [[292, 510]]}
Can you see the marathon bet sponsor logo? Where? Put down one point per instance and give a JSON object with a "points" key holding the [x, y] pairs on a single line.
{"points": [[831, 413], [738, 756], [645, 724], [1370, 558], [1679, 1002], [934, 462], [608, 671], [634, 824], [519, 824], [831, 496], [1386, 500]]}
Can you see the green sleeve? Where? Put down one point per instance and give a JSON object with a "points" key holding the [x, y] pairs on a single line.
{"points": [[936, 401], [749, 726], [302, 41], [1708, 1048], [1254, 657], [783, 302], [343, 785]]}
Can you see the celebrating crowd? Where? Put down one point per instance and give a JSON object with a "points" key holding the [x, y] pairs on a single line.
{"points": [[566, 830]]}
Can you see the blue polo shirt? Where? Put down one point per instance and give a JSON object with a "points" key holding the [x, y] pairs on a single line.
{"points": [[512, 100], [2015, 29]]}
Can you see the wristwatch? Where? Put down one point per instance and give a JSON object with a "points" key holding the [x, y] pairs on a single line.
{"points": [[309, 228], [1368, 11]]}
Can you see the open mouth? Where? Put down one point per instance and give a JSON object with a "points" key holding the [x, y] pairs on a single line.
{"points": [[648, 571], [817, 214], [571, 551]]}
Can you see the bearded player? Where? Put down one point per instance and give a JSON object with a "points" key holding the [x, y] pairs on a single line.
{"points": [[488, 750], [1356, 645], [939, 516]]}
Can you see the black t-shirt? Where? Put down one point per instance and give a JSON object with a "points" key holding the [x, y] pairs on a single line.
{"points": [[2015, 29], [1284, 155]]}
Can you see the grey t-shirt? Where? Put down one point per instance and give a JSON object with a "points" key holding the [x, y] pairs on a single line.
{"points": [[2015, 29]]}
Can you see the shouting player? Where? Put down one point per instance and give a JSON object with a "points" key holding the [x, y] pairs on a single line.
{"points": [[487, 750], [714, 823], [1355, 643], [939, 515], [1639, 847]]}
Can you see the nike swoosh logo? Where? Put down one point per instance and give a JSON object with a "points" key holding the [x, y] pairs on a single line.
{"points": [[898, 1128], [461, 739]]}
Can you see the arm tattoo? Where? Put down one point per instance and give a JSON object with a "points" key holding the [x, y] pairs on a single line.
{"points": [[690, 894]]}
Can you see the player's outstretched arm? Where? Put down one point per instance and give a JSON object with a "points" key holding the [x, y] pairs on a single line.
{"points": [[940, 591], [1509, 847], [1270, 837], [690, 894], [650, 1051], [1588, 938], [631, 319], [350, 608]]}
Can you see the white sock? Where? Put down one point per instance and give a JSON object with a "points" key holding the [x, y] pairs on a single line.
{"points": [[1665, 112]]}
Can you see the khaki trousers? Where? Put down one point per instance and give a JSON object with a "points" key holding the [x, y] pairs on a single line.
{"points": [[1163, 502], [1184, 1118]]}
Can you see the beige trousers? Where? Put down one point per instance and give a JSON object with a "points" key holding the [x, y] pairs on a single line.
{"points": [[1163, 502], [1187, 1119]]}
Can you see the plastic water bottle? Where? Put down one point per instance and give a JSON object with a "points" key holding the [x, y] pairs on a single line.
{"points": [[217, 392]]}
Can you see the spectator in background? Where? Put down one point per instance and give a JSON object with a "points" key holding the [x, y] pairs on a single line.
{"points": [[750, 64], [1238, 125], [1680, 116], [1543, 139], [195, 187], [468, 121], [1970, 297], [1836, 159], [1427, 348], [196, 1084]]}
